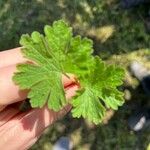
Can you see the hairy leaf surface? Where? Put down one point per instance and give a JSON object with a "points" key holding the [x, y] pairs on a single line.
{"points": [[57, 53]]}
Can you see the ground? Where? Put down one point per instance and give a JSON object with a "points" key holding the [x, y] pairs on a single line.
{"points": [[119, 37]]}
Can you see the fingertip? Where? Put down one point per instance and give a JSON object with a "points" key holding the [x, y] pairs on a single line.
{"points": [[9, 92], [10, 57]]}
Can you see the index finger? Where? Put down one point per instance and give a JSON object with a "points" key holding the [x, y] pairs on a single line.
{"points": [[10, 92], [11, 57]]}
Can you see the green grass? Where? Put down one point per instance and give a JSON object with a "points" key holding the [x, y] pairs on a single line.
{"points": [[119, 37]]}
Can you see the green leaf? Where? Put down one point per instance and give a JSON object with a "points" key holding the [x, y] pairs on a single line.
{"points": [[87, 105], [98, 86], [58, 36], [112, 98], [45, 84], [58, 52]]}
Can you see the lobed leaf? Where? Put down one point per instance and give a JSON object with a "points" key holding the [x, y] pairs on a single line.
{"points": [[58, 52]]}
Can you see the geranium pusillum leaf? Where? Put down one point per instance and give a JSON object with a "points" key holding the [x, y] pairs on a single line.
{"points": [[58, 52]]}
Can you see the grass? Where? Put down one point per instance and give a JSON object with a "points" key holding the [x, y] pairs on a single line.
{"points": [[119, 37]]}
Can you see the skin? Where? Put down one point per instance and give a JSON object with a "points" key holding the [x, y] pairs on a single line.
{"points": [[20, 130]]}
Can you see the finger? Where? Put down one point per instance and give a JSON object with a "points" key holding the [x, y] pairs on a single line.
{"points": [[2, 107], [31, 125], [11, 57], [10, 93], [12, 110], [7, 114]]}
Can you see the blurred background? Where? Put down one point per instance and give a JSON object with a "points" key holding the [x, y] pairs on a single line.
{"points": [[120, 35]]}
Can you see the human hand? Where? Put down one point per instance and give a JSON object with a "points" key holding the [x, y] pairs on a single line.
{"points": [[20, 130]]}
